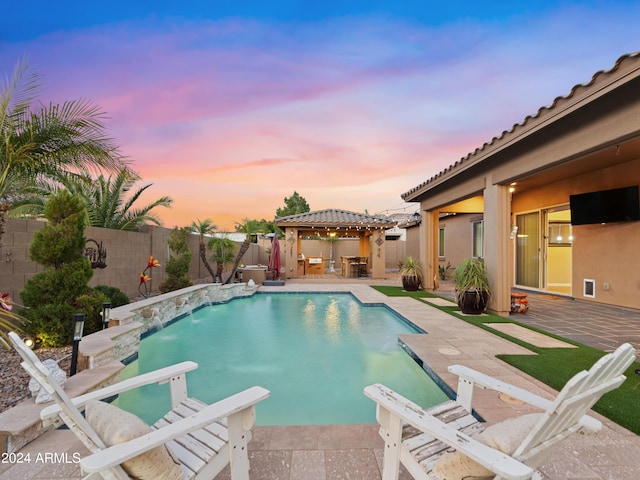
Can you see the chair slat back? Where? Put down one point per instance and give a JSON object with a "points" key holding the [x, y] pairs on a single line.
{"points": [[579, 394], [70, 414]]}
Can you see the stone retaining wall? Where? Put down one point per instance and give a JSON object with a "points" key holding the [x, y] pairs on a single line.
{"points": [[128, 322]]}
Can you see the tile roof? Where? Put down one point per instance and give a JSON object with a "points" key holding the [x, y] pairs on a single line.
{"points": [[334, 217], [579, 90]]}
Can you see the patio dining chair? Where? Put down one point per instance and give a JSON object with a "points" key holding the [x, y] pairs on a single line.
{"points": [[193, 440], [364, 267], [354, 267], [448, 442]]}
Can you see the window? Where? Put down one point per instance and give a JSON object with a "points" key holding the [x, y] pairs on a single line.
{"points": [[478, 239], [560, 233], [441, 242]]}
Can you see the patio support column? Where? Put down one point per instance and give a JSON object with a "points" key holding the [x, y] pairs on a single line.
{"points": [[497, 245], [365, 248], [429, 247], [292, 248]]}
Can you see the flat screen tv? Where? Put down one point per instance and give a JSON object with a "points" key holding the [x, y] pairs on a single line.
{"points": [[606, 206]]}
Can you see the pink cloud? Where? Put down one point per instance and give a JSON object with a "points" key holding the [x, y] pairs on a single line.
{"points": [[229, 117]]}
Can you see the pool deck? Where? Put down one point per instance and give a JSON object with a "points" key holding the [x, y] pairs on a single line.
{"points": [[354, 452]]}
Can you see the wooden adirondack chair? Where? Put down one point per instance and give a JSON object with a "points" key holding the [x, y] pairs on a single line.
{"points": [[202, 438], [423, 440]]}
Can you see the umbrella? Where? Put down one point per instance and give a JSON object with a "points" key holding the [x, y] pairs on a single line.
{"points": [[274, 258]]}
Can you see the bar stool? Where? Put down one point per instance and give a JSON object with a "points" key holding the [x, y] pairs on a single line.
{"points": [[354, 267]]}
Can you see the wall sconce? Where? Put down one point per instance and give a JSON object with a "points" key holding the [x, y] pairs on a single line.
{"points": [[97, 255], [8, 256], [106, 314], [78, 329]]}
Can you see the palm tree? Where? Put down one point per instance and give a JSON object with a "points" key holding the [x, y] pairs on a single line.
{"points": [[110, 201], [43, 141], [222, 252], [104, 200], [202, 228]]}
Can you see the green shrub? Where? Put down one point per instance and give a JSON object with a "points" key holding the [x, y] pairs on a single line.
{"points": [[116, 296], [91, 305], [55, 294], [177, 266], [50, 325]]}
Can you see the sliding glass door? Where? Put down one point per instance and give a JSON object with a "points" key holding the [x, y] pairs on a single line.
{"points": [[528, 250]]}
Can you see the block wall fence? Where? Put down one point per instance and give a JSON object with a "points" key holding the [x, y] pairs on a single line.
{"points": [[128, 254]]}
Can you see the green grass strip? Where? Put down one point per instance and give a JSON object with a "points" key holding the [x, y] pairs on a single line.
{"points": [[553, 366]]}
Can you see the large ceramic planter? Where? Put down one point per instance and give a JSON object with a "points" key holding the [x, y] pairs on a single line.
{"points": [[411, 283], [472, 303]]}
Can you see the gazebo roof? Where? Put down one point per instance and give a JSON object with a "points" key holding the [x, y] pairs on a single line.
{"points": [[335, 219]]}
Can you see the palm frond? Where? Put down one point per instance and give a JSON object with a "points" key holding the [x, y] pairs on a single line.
{"points": [[203, 227], [9, 322]]}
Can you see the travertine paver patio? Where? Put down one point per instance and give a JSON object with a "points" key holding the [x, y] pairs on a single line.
{"points": [[355, 451]]}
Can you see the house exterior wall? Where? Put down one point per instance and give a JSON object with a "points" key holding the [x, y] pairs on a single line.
{"points": [[586, 141], [604, 253], [457, 238]]}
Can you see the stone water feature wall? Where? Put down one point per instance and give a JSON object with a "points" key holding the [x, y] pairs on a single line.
{"points": [[128, 322]]}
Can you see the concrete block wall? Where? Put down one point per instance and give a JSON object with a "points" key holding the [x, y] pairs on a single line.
{"points": [[127, 257], [128, 254]]}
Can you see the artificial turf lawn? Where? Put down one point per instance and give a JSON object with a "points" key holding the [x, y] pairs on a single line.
{"points": [[555, 366]]}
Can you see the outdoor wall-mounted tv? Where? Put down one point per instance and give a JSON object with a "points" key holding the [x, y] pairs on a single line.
{"points": [[606, 206]]}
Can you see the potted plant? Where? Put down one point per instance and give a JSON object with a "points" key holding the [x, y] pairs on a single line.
{"points": [[472, 286], [411, 273]]}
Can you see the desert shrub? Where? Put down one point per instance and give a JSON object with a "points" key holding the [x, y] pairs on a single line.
{"points": [[91, 305], [177, 266], [116, 296]]}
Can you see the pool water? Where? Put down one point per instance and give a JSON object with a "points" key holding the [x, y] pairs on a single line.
{"points": [[314, 352]]}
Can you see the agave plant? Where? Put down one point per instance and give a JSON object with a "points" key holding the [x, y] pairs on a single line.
{"points": [[470, 278], [411, 273]]}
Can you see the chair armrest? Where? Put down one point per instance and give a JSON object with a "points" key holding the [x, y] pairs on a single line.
{"points": [[481, 380], [501, 464], [160, 376], [122, 452]]}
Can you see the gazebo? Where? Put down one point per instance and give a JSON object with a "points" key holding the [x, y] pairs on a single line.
{"points": [[340, 224]]}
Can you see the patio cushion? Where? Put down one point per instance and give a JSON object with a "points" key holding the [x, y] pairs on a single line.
{"points": [[114, 426], [505, 436]]}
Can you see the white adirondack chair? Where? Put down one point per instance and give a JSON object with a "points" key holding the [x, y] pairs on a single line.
{"points": [[203, 438], [420, 439]]}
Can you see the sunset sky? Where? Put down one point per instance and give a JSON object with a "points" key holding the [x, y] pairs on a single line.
{"points": [[229, 107]]}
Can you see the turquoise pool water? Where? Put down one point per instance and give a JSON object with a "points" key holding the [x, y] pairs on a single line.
{"points": [[314, 352]]}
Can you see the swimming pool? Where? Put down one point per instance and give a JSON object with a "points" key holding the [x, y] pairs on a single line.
{"points": [[315, 352]]}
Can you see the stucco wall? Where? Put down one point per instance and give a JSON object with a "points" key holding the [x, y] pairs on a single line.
{"points": [[604, 253], [457, 238], [412, 247]]}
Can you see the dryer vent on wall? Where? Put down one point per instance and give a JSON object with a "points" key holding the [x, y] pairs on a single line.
{"points": [[589, 288]]}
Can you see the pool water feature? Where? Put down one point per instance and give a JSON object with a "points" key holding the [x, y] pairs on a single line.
{"points": [[314, 352]]}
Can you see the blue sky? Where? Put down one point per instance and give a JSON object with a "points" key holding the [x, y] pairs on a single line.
{"points": [[231, 106]]}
